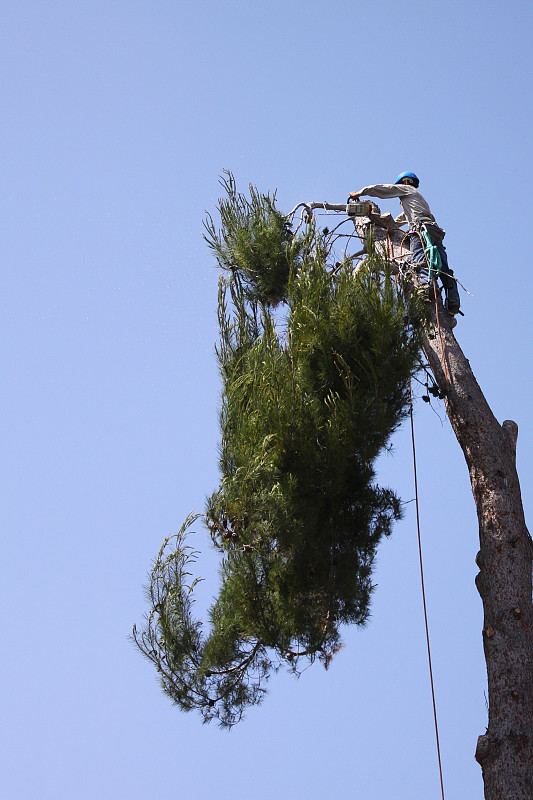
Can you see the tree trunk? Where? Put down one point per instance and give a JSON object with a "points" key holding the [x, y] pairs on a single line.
{"points": [[505, 751]]}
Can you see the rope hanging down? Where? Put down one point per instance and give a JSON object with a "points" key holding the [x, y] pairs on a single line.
{"points": [[424, 594], [389, 244]]}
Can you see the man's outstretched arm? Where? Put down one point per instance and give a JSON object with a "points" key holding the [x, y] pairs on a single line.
{"points": [[383, 190]]}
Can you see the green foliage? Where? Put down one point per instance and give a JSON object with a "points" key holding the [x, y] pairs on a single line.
{"points": [[309, 401], [255, 239]]}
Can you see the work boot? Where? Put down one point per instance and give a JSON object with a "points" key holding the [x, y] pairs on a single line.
{"points": [[452, 303], [452, 307]]}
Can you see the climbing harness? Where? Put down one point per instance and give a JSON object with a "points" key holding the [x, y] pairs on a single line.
{"points": [[421, 231], [431, 235]]}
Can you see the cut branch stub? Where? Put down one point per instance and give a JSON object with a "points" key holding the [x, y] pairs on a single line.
{"points": [[511, 429]]}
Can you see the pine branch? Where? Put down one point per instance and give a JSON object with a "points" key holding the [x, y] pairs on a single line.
{"points": [[310, 399]]}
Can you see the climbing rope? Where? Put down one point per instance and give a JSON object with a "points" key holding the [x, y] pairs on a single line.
{"points": [[391, 251], [424, 594]]}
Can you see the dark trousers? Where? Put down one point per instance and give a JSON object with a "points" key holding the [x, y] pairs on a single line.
{"points": [[419, 262]]}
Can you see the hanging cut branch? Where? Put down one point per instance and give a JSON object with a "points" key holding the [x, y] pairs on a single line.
{"points": [[310, 398]]}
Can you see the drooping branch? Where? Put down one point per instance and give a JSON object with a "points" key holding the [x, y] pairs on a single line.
{"points": [[309, 401]]}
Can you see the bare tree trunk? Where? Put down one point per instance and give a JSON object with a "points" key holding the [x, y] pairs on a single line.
{"points": [[505, 751]]}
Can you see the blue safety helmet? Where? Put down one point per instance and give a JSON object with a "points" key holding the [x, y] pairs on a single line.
{"points": [[408, 175]]}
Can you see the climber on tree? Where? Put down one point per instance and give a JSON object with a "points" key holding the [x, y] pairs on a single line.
{"points": [[428, 254]]}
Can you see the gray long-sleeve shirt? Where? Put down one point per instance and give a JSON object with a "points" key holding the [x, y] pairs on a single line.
{"points": [[414, 206]]}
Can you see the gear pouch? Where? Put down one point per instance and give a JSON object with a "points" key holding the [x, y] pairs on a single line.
{"points": [[435, 233]]}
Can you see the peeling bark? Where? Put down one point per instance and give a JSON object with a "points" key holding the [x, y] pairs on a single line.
{"points": [[504, 582]]}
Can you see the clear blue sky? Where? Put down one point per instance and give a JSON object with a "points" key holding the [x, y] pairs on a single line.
{"points": [[118, 118]]}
